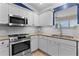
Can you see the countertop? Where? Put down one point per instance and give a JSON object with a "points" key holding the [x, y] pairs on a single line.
{"points": [[4, 37], [66, 37]]}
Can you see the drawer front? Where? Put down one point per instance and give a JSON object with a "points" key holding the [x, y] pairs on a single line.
{"points": [[68, 42]]}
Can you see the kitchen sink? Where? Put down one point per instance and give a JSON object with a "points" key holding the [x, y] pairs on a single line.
{"points": [[62, 36]]}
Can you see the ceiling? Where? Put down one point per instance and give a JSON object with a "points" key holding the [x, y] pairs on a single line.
{"points": [[40, 6]]}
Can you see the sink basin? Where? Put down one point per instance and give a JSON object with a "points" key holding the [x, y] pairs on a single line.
{"points": [[56, 36]]}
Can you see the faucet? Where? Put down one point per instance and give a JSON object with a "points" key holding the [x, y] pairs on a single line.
{"points": [[60, 29], [58, 26]]}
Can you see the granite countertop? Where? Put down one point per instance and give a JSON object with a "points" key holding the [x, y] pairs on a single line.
{"points": [[4, 37], [65, 37]]}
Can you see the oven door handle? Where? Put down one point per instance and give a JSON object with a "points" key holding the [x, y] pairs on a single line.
{"points": [[19, 41]]}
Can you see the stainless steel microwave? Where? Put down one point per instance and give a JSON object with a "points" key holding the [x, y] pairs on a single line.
{"points": [[15, 20]]}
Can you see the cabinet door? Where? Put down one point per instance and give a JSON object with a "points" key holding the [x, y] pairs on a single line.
{"points": [[36, 19], [4, 51], [30, 18], [3, 13], [34, 43], [23, 12], [52, 46], [4, 48], [78, 48], [14, 10], [67, 48], [46, 18], [43, 44]]}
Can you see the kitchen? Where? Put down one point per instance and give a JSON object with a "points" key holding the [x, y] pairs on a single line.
{"points": [[39, 29]]}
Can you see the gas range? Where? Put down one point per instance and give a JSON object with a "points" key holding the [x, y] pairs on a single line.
{"points": [[20, 45], [18, 37]]}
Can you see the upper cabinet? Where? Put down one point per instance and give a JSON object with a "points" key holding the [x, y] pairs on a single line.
{"points": [[30, 18], [17, 10], [46, 18], [14, 10], [66, 16], [3, 13], [36, 19]]}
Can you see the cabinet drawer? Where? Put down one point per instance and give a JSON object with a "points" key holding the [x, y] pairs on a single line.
{"points": [[68, 42]]}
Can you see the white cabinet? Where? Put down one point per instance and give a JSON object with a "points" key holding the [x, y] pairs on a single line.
{"points": [[57, 47], [46, 18], [43, 43], [17, 10], [14, 10], [78, 48], [23, 12], [4, 48], [36, 19], [53, 46], [34, 43], [67, 48], [3, 13], [30, 18]]}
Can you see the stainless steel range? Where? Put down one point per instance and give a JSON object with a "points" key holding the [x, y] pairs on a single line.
{"points": [[20, 45]]}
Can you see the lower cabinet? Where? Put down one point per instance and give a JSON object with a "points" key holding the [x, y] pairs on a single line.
{"points": [[43, 43], [67, 48], [57, 47], [34, 43], [52, 46], [78, 48], [4, 48]]}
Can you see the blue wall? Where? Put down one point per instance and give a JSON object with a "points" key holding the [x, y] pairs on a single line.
{"points": [[22, 5]]}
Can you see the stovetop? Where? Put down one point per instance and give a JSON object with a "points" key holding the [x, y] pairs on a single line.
{"points": [[16, 35]]}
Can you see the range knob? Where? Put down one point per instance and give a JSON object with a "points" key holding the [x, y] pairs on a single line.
{"points": [[11, 39]]}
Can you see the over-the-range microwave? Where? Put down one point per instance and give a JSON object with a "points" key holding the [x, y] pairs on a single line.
{"points": [[16, 20]]}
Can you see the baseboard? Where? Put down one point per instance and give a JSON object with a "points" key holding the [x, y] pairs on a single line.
{"points": [[35, 50], [44, 52]]}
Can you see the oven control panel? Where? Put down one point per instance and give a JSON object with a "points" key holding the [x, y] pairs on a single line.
{"points": [[19, 37]]}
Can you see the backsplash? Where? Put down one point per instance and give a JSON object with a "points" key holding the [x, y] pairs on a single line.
{"points": [[53, 30], [5, 30], [50, 30]]}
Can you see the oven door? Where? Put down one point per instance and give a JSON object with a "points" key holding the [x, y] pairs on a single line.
{"points": [[20, 47]]}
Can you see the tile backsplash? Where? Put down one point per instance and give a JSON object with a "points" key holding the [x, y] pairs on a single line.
{"points": [[53, 30], [5, 30]]}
